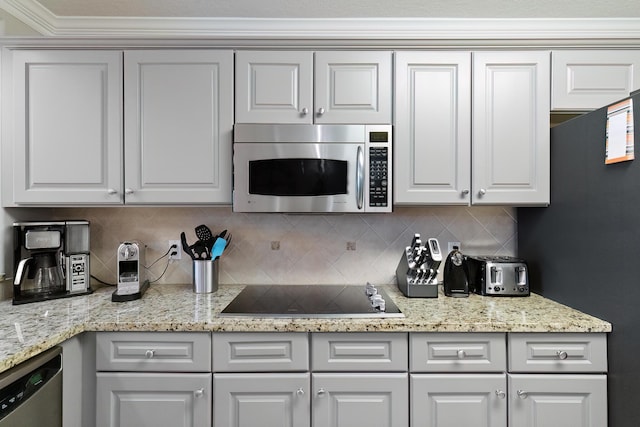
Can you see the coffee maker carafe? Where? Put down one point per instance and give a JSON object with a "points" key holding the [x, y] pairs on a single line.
{"points": [[51, 260]]}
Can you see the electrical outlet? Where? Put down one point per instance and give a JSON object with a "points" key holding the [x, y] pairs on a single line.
{"points": [[177, 249], [450, 246]]}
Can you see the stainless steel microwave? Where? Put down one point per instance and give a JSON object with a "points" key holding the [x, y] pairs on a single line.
{"points": [[312, 168]]}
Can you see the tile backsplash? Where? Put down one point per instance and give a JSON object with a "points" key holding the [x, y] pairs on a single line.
{"points": [[291, 248]]}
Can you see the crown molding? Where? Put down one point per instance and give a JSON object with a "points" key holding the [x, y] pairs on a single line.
{"points": [[43, 21]]}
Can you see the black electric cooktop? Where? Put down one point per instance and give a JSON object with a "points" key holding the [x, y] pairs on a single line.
{"points": [[330, 301]]}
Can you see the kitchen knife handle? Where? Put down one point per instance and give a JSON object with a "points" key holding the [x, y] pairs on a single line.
{"points": [[360, 178]]}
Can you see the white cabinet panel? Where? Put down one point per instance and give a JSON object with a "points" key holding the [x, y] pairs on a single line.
{"points": [[178, 124], [590, 79], [371, 399], [433, 127], [265, 400], [65, 130], [274, 87], [448, 400], [557, 353], [153, 400], [557, 400], [511, 128], [353, 87], [457, 352], [355, 352]]}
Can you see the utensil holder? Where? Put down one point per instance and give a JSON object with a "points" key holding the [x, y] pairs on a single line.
{"points": [[205, 276]]}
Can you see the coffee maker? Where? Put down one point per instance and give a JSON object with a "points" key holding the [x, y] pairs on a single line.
{"points": [[51, 260]]}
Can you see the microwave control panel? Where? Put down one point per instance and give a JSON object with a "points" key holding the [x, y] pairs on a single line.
{"points": [[379, 143], [378, 176]]}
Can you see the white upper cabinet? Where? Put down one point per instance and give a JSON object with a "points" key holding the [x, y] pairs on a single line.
{"points": [[510, 130], [62, 142], [68, 115], [433, 128], [307, 87], [178, 124], [590, 79], [472, 137]]}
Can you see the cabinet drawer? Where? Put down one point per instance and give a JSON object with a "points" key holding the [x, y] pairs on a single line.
{"points": [[463, 352], [255, 352], [359, 352], [579, 352], [153, 351]]}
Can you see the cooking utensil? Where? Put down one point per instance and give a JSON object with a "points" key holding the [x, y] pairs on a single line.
{"points": [[200, 250], [218, 248], [185, 246], [204, 233]]}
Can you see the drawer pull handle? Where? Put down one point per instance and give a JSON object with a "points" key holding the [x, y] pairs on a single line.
{"points": [[562, 355], [149, 354], [320, 111], [199, 393], [461, 354], [501, 394], [300, 392], [522, 394], [321, 392], [305, 111]]}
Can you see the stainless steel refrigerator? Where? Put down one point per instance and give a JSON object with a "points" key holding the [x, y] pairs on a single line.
{"points": [[583, 250]]}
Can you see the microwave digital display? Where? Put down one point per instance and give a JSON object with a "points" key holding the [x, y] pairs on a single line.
{"points": [[378, 136], [298, 177]]}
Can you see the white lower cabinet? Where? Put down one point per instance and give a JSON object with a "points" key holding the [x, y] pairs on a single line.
{"points": [[454, 400], [417, 379], [543, 400], [360, 399], [261, 399], [153, 399], [153, 379]]}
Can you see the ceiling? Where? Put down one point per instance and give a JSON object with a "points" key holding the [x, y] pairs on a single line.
{"points": [[124, 17]]}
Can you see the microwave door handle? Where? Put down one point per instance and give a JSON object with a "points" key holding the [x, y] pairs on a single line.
{"points": [[360, 178]]}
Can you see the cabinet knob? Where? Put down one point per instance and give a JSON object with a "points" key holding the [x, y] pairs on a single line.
{"points": [[465, 191], [501, 394], [112, 191], [562, 354], [482, 192], [321, 392], [128, 191], [522, 394], [199, 393], [320, 111], [149, 354], [305, 111], [461, 354], [300, 392]]}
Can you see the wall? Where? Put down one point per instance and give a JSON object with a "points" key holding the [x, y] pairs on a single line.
{"points": [[312, 248]]}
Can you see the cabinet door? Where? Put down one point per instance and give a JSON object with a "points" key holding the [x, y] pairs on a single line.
{"points": [[557, 400], [153, 400], [511, 128], [178, 125], [454, 400], [353, 87], [590, 79], [265, 400], [67, 126], [433, 128], [274, 87], [371, 399]]}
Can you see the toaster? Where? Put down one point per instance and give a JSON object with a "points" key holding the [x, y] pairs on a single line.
{"points": [[498, 276]]}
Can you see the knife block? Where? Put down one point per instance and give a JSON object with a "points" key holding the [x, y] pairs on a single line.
{"points": [[409, 281]]}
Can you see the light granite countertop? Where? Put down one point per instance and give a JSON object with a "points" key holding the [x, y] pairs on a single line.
{"points": [[26, 330]]}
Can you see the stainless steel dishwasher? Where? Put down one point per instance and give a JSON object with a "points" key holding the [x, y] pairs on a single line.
{"points": [[31, 393]]}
